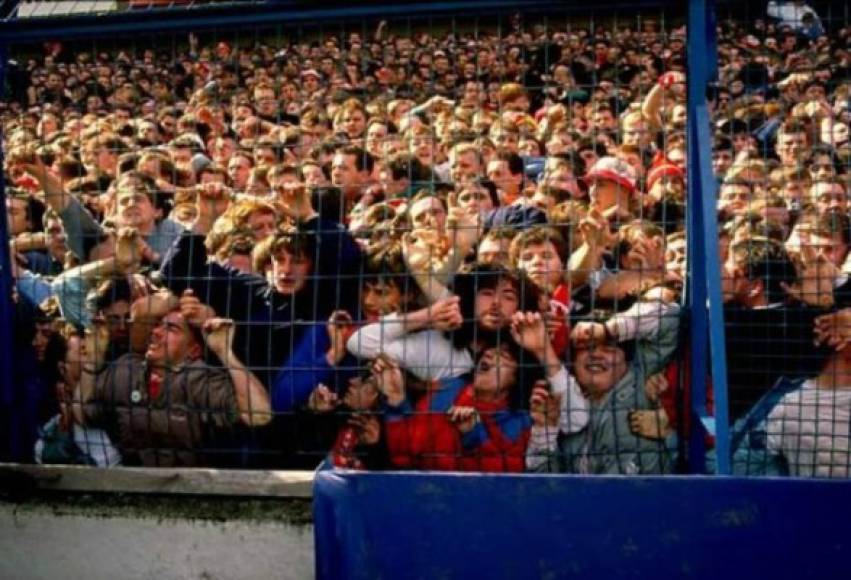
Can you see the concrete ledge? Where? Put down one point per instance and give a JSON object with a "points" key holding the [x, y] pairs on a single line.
{"points": [[224, 482]]}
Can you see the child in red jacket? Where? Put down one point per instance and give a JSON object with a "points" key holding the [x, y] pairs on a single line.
{"points": [[458, 425], [473, 425]]}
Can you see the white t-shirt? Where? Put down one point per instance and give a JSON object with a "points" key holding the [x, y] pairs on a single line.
{"points": [[811, 427]]}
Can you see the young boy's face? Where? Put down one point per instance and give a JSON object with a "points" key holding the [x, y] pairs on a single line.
{"points": [[542, 264], [380, 298], [496, 372], [599, 368]]}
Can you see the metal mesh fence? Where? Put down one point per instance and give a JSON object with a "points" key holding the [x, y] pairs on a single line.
{"points": [[780, 157], [439, 242]]}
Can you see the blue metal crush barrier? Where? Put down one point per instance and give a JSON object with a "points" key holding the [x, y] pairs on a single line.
{"points": [[397, 525]]}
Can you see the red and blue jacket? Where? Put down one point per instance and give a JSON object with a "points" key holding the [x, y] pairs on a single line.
{"points": [[421, 436]]}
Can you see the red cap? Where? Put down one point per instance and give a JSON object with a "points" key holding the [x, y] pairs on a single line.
{"points": [[663, 170]]}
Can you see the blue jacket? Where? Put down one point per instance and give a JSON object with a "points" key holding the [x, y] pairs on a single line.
{"points": [[268, 323], [307, 368]]}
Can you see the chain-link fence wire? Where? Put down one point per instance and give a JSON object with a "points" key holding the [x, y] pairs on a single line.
{"points": [[781, 157], [435, 243]]}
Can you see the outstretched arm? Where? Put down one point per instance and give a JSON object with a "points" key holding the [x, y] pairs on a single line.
{"points": [[252, 400]]}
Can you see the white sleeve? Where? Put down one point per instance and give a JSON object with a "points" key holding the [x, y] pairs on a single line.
{"points": [[543, 442], [641, 321], [368, 340], [429, 355], [574, 406]]}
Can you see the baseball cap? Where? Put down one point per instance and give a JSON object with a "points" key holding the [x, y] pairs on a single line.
{"points": [[663, 170], [612, 169]]}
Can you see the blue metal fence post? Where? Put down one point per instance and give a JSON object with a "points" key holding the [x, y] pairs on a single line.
{"points": [[6, 306], [704, 292]]}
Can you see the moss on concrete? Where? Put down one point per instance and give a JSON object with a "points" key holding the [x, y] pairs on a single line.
{"points": [[289, 511]]}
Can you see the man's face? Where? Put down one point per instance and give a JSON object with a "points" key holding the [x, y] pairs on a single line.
{"points": [[314, 176], [834, 248], [16, 215], [721, 161], [495, 306], [791, 148], [493, 251], [604, 120], [223, 151], [345, 174], [53, 82], [472, 91], [135, 209], [288, 273], [506, 182], [429, 213], [105, 160], [606, 194], [55, 238], [171, 342], [542, 264], [117, 316], [507, 141], [559, 142], [353, 123], [375, 136], [311, 84], [41, 338], [261, 224], [636, 133], [736, 198], [561, 181], [73, 360], [598, 369], [181, 155], [822, 168], [421, 148], [150, 133], [265, 102], [475, 196], [239, 168], [829, 197], [465, 166], [361, 394]]}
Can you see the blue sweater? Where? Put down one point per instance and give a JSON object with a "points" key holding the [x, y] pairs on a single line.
{"points": [[306, 368]]}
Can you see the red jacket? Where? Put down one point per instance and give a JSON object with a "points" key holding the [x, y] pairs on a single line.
{"points": [[422, 437]]}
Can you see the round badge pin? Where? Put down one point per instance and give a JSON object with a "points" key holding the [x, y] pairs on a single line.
{"points": [[136, 396]]}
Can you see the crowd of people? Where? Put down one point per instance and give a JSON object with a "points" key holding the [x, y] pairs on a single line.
{"points": [[426, 249]]}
